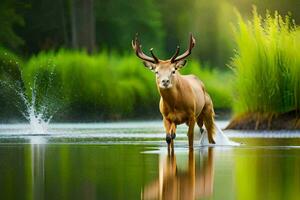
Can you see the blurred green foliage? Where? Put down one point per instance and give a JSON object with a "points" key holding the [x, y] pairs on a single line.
{"points": [[110, 86], [112, 81], [267, 64], [10, 81], [9, 20], [118, 21], [29, 26]]}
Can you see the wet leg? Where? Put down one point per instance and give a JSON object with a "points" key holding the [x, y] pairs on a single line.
{"points": [[192, 122], [167, 125]]}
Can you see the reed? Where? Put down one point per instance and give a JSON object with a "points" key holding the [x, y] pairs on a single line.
{"points": [[266, 65]]}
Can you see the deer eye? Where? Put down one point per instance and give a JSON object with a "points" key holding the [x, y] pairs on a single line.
{"points": [[174, 71], [156, 72]]}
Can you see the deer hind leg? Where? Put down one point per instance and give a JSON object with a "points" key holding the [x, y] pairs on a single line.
{"points": [[173, 130], [208, 118], [200, 122]]}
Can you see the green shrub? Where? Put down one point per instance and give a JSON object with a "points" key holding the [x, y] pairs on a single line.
{"points": [[109, 85], [100, 85], [267, 65]]}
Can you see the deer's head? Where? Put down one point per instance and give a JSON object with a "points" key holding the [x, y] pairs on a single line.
{"points": [[165, 70]]}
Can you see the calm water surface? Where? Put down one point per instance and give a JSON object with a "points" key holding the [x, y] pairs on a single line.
{"points": [[130, 161]]}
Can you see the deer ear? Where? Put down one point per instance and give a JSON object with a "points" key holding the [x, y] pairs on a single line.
{"points": [[180, 64], [149, 65]]}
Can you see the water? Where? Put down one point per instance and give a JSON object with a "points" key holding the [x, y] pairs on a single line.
{"points": [[130, 161]]}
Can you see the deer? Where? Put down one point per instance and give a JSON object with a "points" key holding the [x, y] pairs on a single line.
{"points": [[183, 98]]}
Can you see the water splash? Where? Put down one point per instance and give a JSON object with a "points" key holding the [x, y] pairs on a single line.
{"points": [[37, 118], [37, 115], [38, 112], [220, 138]]}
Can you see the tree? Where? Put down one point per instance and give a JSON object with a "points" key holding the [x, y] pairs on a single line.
{"points": [[46, 25], [118, 21], [8, 20], [83, 24]]}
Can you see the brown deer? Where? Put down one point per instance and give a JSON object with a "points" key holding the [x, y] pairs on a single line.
{"points": [[183, 97]]}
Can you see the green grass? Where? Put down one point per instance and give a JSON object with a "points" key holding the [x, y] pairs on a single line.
{"points": [[110, 86], [267, 65]]}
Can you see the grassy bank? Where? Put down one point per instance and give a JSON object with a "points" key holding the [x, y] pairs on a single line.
{"points": [[267, 68], [107, 86]]}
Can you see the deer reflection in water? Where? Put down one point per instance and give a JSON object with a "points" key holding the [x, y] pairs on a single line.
{"points": [[194, 183]]}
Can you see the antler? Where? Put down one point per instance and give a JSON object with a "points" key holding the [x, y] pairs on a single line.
{"points": [[192, 43], [175, 55], [155, 58], [137, 47]]}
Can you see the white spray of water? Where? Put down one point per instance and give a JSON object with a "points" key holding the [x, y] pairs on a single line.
{"points": [[37, 118], [37, 114], [220, 138]]}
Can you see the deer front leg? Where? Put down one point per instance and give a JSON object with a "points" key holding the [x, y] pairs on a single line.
{"points": [[173, 133], [167, 125], [191, 132]]}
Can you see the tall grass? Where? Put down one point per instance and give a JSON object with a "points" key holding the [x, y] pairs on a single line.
{"points": [[267, 64], [109, 85]]}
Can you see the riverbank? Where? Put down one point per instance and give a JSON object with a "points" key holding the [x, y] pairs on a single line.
{"points": [[258, 121]]}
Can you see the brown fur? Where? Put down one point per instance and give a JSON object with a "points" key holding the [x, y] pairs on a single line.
{"points": [[186, 102], [183, 98]]}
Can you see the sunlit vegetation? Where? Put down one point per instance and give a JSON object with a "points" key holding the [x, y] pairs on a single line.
{"points": [[110, 82], [112, 86], [267, 65]]}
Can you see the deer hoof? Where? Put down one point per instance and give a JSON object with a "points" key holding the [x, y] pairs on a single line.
{"points": [[201, 130], [168, 138], [212, 141], [173, 136]]}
